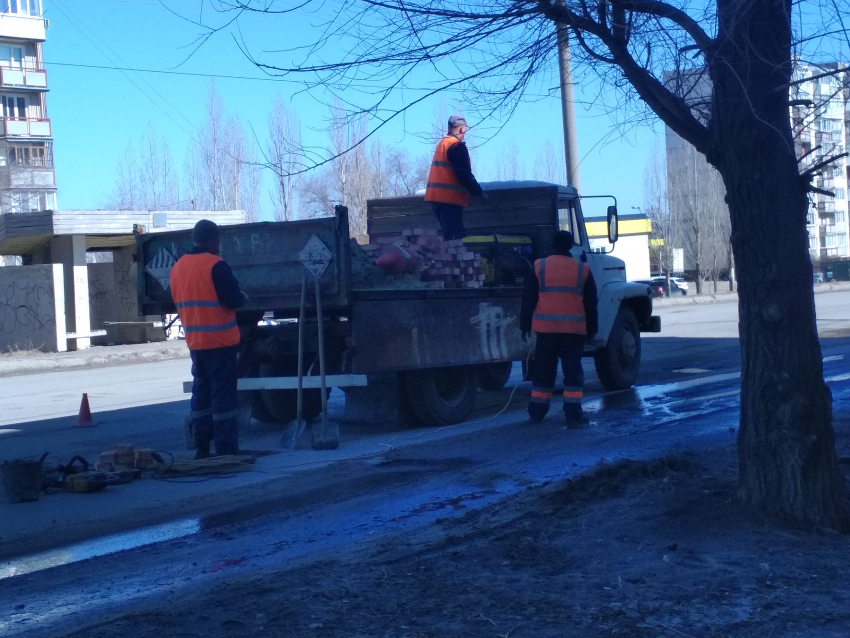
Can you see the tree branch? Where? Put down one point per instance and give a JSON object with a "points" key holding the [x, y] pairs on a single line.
{"points": [[808, 174]]}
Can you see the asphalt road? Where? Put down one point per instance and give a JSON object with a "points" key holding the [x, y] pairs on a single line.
{"points": [[293, 506]]}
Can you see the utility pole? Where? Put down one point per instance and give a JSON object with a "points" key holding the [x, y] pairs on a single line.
{"points": [[568, 107]]}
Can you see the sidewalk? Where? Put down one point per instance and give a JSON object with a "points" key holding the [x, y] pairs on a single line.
{"points": [[33, 361], [725, 296]]}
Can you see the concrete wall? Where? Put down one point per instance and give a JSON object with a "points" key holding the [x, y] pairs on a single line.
{"points": [[125, 272], [32, 308], [102, 300]]}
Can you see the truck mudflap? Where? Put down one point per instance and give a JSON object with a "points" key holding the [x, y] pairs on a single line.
{"points": [[652, 325]]}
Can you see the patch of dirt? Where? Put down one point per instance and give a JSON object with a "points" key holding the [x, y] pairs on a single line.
{"points": [[641, 549]]}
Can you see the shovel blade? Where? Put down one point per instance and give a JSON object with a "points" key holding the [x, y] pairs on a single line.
{"points": [[292, 433], [325, 435]]}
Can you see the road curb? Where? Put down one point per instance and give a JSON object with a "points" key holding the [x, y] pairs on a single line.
{"points": [[732, 297], [17, 364]]}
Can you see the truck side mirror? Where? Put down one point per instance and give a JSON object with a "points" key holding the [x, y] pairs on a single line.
{"points": [[613, 226]]}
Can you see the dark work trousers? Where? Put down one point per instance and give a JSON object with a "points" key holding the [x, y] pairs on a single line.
{"points": [[450, 217], [549, 349], [214, 399]]}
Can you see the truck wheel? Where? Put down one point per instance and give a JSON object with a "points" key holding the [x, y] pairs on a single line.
{"points": [[494, 376], [442, 396], [618, 363], [282, 405]]}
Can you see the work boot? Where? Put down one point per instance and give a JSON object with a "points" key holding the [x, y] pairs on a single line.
{"points": [[202, 449]]}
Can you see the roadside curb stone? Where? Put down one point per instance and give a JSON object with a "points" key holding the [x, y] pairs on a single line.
{"points": [[732, 297], [21, 363]]}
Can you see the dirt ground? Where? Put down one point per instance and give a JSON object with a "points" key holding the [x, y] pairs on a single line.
{"points": [[659, 549]]}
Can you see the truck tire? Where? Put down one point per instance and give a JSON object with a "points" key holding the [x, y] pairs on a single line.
{"points": [[282, 405], [442, 396], [494, 376], [618, 363]]}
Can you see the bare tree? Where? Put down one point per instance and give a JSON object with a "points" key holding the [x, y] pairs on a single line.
{"points": [[657, 209], [549, 164], [285, 157], [697, 202], [743, 51], [146, 179], [508, 166]]}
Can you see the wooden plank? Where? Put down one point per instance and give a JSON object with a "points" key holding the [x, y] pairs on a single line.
{"points": [[291, 383]]}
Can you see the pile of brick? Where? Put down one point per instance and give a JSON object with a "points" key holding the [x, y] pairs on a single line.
{"points": [[125, 457], [447, 264]]}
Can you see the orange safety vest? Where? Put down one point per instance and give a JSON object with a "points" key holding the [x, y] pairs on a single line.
{"points": [[443, 184], [206, 323], [560, 304]]}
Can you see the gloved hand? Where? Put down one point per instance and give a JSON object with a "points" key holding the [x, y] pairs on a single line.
{"points": [[525, 335], [485, 197]]}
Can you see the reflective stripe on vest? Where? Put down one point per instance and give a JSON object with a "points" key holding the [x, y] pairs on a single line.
{"points": [[560, 304], [206, 323], [443, 184]]}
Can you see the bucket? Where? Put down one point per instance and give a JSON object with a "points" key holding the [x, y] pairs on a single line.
{"points": [[21, 480]]}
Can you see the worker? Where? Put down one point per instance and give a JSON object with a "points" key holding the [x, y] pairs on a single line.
{"points": [[206, 295], [559, 305], [450, 181]]}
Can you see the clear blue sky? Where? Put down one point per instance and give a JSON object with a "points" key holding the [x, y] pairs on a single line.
{"points": [[96, 112]]}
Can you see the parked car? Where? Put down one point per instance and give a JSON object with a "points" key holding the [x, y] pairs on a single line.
{"points": [[677, 284], [656, 289]]}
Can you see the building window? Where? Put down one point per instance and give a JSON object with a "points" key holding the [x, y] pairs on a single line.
{"points": [[14, 106], [11, 56], [31, 155], [839, 193], [24, 7]]}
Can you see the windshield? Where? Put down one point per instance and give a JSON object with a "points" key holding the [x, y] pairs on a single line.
{"points": [[568, 220]]}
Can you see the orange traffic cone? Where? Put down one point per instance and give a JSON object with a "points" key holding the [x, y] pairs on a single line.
{"points": [[84, 420]]}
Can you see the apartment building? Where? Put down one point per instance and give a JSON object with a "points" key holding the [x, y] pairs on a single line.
{"points": [[27, 179], [820, 114]]}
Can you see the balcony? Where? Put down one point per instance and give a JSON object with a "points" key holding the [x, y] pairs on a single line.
{"points": [[28, 78], [23, 27], [26, 127]]}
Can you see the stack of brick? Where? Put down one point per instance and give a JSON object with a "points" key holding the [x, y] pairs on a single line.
{"points": [[448, 264]]}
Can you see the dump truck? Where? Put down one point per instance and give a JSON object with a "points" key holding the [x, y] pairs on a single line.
{"points": [[432, 343]]}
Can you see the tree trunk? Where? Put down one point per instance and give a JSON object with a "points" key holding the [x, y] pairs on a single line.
{"points": [[786, 453]]}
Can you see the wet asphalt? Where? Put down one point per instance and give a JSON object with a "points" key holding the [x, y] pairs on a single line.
{"points": [[691, 402]]}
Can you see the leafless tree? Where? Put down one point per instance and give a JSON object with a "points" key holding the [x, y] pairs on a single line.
{"points": [[507, 165], [549, 164], [651, 55], [146, 179], [700, 213], [285, 157], [655, 204]]}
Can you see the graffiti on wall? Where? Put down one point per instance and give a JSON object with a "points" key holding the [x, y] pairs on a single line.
{"points": [[125, 288], [26, 308]]}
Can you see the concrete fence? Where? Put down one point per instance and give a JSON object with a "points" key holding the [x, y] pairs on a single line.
{"points": [[32, 308]]}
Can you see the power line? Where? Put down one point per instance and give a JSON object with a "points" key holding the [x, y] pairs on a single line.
{"points": [[163, 72]]}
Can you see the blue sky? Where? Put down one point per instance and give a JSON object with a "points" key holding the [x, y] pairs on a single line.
{"points": [[95, 113]]}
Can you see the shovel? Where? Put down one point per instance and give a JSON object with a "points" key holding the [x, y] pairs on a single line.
{"points": [[295, 428], [326, 435]]}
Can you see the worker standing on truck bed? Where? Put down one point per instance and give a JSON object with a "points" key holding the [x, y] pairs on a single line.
{"points": [[206, 295], [559, 305], [451, 181]]}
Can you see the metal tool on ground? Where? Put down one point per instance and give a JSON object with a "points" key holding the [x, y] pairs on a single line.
{"points": [[325, 436], [295, 429], [84, 419]]}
